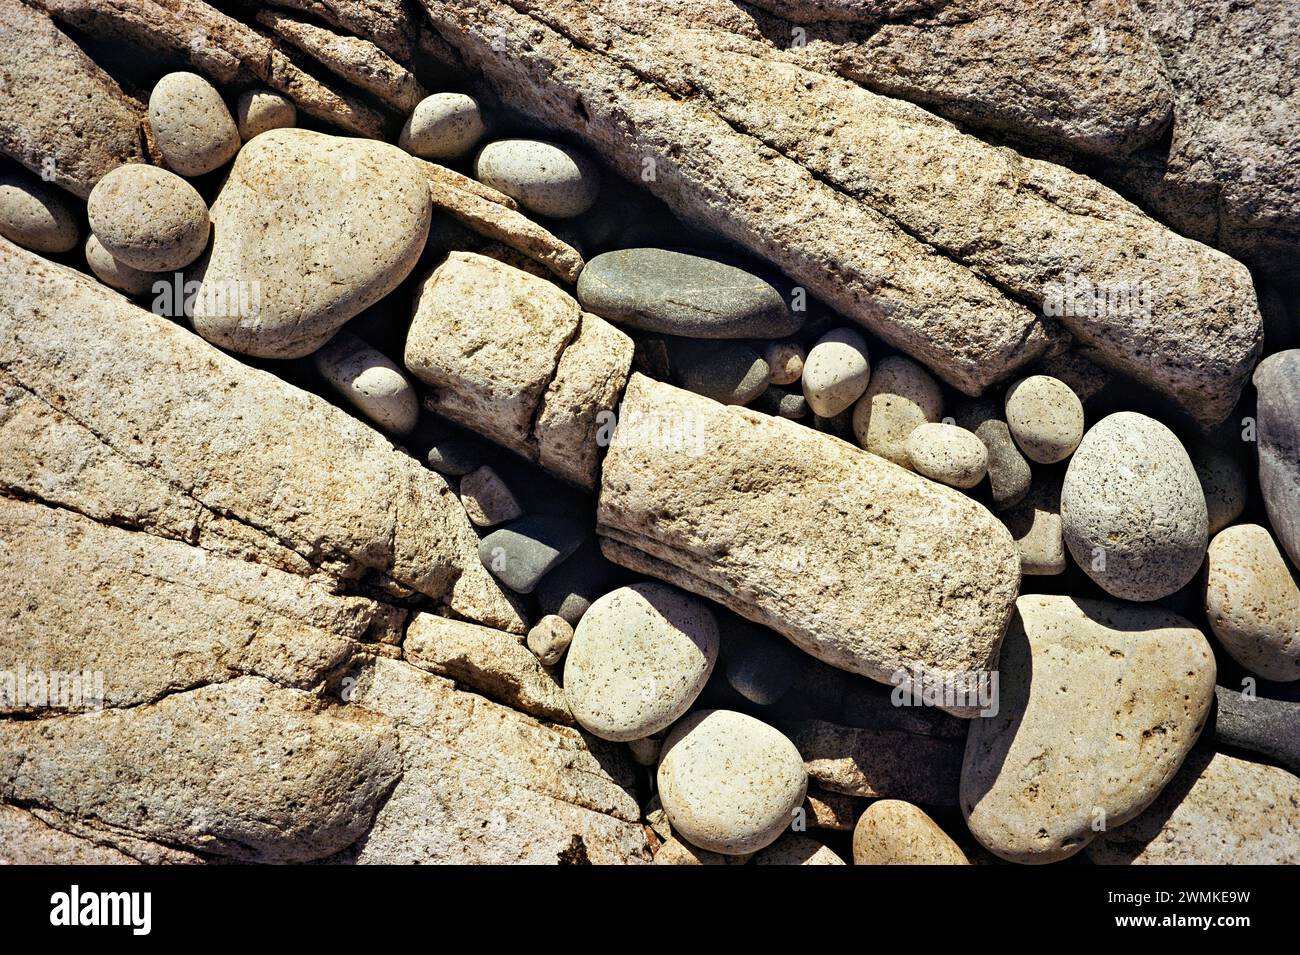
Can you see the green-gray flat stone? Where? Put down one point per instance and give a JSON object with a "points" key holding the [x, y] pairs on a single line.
{"points": [[657, 290]]}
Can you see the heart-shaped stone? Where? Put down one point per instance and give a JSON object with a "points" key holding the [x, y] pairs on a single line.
{"points": [[1099, 704], [308, 231]]}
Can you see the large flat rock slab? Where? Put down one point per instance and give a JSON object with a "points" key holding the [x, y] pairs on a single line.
{"points": [[240, 442], [243, 770], [949, 248], [151, 616], [483, 783], [861, 563], [61, 116]]}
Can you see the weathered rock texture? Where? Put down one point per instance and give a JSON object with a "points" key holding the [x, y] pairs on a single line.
{"points": [[356, 60], [935, 240], [61, 116], [1098, 83], [522, 364], [222, 49], [495, 663], [1228, 176], [483, 783], [154, 616], [244, 770], [121, 414], [862, 564], [1099, 705], [1218, 810]]}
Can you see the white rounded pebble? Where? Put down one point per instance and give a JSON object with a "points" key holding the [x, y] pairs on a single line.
{"points": [[443, 126], [370, 382], [549, 638], [901, 397], [728, 782], [258, 111], [1253, 602], [639, 658], [545, 178], [149, 218], [836, 372], [948, 454], [786, 360], [194, 131], [35, 215], [1045, 417], [116, 274], [1132, 511]]}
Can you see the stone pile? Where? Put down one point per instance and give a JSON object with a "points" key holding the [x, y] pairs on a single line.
{"points": [[526, 437]]}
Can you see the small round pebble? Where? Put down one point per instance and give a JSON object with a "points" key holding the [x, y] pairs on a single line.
{"points": [[901, 397], [258, 111], [782, 403], [35, 216], [370, 381], [114, 273], [1253, 602], [1132, 511], [639, 658], [948, 454], [549, 638], [194, 131], [786, 361], [730, 783], [836, 372], [545, 178], [454, 456], [148, 218], [443, 126], [1045, 417], [893, 832]]}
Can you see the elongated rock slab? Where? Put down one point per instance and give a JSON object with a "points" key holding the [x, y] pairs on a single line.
{"points": [[482, 783], [61, 116], [302, 475], [864, 565], [150, 616], [243, 770], [516, 358], [894, 217]]}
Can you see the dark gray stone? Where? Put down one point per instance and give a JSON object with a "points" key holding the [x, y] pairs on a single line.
{"points": [[782, 403], [570, 589], [657, 290], [1262, 725], [757, 663], [727, 372], [1009, 474], [1277, 415], [522, 553], [454, 456]]}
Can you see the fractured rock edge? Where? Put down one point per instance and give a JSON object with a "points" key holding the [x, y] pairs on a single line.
{"points": [[213, 431]]}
